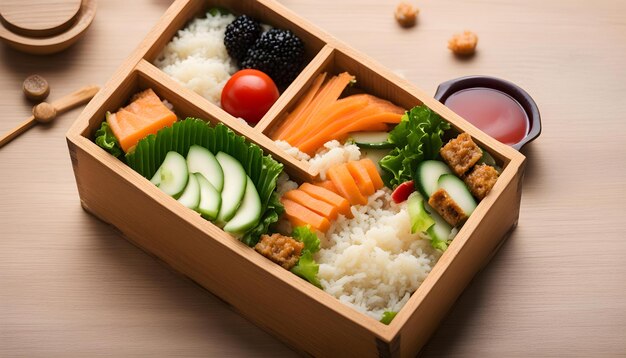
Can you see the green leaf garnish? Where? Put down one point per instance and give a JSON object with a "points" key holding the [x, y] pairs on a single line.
{"points": [[262, 169]]}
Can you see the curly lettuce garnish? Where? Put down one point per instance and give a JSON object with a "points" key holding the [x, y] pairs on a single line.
{"points": [[107, 141], [416, 138], [306, 267]]}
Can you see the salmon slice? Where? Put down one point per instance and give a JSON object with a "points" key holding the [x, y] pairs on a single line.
{"points": [[145, 115]]}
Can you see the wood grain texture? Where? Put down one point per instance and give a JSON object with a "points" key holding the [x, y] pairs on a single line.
{"points": [[45, 42], [72, 287], [39, 17]]}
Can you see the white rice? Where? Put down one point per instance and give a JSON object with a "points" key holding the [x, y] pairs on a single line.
{"points": [[334, 153], [372, 262], [197, 58], [293, 151]]}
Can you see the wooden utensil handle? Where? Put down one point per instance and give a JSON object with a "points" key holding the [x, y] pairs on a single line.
{"points": [[75, 99], [17, 131]]}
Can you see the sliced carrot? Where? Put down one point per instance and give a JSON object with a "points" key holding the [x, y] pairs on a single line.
{"points": [[309, 109], [333, 113], [346, 186], [293, 117], [327, 184], [361, 177], [382, 104], [318, 206], [335, 87], [299, 215], [328, 196], [344, 126], [372, 171]]}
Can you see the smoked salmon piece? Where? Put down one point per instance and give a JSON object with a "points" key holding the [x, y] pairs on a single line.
{"points": [[145, 115]]}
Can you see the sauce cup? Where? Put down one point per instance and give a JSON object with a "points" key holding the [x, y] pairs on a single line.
{"points": [[448, 88]]}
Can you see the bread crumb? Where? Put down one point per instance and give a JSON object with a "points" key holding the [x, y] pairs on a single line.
{"points": [[406, 14], [463, 44]]}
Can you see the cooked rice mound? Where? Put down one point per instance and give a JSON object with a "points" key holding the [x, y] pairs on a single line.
{"points": [[197, 58], [372, 262]]}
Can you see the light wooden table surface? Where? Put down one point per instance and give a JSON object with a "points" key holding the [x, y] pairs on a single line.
{"points": [[70, 286]]}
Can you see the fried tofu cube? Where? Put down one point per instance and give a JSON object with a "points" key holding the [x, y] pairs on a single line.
{"points": [[461, 153], [449, 210], [481, 179], [281, 249]]}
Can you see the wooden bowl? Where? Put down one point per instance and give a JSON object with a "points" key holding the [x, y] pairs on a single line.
{"points": [[53, 28]]}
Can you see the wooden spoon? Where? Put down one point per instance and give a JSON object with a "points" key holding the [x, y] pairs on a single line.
{"points": [[46, 112]]}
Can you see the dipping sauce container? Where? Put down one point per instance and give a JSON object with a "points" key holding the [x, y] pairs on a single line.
{"points": [[498, 107]]}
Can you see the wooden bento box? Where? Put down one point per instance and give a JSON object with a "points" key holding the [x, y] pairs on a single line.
{"points": [[303, 316]]}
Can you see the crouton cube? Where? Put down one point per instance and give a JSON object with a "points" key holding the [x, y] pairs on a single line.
{"points": [[461, 153], [449, 210], [481, 179]]}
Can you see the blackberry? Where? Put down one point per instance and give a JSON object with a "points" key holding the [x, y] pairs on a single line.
{"points": [[240, 35], [278, 53]]}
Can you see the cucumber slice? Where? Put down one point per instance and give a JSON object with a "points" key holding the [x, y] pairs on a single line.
{"points": [[210, 198], [458, 192], [428, 173], [439, 233], [486, 159], [249, 211], [156, 178], [174, 174], [191, 196], [420, 218], [371, 140], [201, 160], [234, 186]]}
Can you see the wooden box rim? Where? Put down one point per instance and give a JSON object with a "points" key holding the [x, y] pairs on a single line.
{"points": [[512, 160]]}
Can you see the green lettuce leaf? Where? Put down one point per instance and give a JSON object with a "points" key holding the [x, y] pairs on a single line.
{"points": [[388, 316], [262, 169], [270, 216], [107, 141], [439, 244], [416, 138], [305, 235], [306, 267]]}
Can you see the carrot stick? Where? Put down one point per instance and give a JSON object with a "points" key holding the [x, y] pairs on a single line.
{"points": [[333, 93], [293, 117], [346, 185], [318, 206], [344, 126], [299, 215], [328, 196], [335, 112]]}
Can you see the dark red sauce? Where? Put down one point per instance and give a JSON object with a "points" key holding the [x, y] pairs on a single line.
{"points": [[494, 112]]}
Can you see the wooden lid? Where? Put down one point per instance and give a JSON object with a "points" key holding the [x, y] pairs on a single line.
{"points": [[39, 18]]}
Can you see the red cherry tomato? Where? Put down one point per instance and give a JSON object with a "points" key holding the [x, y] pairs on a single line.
{"points": [[249, 94], [402, 191]]}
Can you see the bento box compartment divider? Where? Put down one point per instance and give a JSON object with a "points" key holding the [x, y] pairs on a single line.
{"points": [[208, 111], [296, 89]]}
